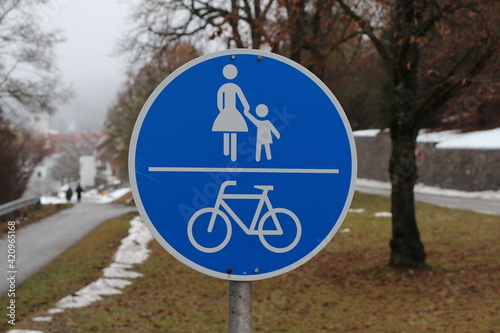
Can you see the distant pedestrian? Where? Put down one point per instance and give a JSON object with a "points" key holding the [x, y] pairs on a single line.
{"points": [[79, 191], [69, 194]]}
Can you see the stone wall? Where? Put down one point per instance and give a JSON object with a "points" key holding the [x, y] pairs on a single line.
{"points": [[460, 169]]}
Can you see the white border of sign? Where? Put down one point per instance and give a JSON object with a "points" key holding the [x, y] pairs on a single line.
{"points": [[137, 197]]}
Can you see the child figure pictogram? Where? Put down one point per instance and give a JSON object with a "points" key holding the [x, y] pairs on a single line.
{"points": [[265, 131]]}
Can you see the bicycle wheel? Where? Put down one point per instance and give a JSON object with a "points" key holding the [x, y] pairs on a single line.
{"points": [[284, 241], [213, 240]]}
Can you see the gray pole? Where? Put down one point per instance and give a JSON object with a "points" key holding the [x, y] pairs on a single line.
{"points": [[240, 306]]}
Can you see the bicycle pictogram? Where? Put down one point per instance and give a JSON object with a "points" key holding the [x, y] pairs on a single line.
{"points": [[267, 227]]}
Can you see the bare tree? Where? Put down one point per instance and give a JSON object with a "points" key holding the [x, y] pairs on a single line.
{"points": [[28, 77], [411, 38], [314, 33], [123, 114], [214, 24], [29, 83], [20, 152]]}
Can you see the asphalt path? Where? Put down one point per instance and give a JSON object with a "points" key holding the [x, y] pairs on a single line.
{"points": [[39, 243], [484, 206]]}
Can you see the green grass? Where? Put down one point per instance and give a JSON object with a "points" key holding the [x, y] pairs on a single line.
{"points": [[347, 287]]}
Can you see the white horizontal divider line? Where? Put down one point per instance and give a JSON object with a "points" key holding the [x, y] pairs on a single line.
{"points": [[251, 170]]}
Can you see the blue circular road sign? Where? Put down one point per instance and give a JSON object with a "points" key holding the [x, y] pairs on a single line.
{"points": [[242, 164]]}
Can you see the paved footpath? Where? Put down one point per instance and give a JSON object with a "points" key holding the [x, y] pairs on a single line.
{"points": [[39, 243], [478, 205]]}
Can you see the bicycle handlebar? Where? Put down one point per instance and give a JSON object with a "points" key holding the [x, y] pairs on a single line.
{"points": [[228, 183]]}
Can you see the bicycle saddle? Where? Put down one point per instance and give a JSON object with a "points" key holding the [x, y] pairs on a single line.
{"points": [[264, 187]]}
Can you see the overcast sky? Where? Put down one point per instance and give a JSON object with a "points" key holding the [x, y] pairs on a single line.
{"points": [[91, 29]]}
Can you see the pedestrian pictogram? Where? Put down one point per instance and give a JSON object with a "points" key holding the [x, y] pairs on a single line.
{"points": [[242, 164], [230, 120]]}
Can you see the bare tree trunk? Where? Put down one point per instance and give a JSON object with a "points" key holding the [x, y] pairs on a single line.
{"points": [[407, 250]]}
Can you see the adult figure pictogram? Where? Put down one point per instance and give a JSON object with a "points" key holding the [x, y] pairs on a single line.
{"points": [[230, 121]]}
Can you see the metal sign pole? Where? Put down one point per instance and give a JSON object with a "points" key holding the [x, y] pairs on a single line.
{"points": [[240, 306]]}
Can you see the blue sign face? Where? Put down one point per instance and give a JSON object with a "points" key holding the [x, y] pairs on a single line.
{"points": [[242, 164]]}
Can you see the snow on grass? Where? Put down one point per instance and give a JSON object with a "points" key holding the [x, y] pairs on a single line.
{"points": [[93, 292], [367, 132], [383, 214], [117, 270], [48, 318], [133, 250]]}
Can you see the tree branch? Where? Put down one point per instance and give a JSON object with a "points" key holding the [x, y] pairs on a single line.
{"points": [[368, 30], [440, 95]]}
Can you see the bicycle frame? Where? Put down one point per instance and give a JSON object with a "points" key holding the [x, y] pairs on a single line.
{"points": [[263, 199]]}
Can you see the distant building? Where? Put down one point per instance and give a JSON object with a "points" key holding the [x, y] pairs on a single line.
{"points": [[41, 181], [88, 171], [39, 122], [108, 169], [72, 158]]}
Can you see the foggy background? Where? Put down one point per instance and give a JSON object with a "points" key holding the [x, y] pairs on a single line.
{"points": [[87, 59]]}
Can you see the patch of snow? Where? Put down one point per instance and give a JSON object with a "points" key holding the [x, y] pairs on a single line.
{"points": [[367, 132], [42, 319], [117, 270], [356, 210], [48, 200], [93, 292], [383, 214], [93, 194], [373, 183], [474, 140], [24, 331], [488, 139], [425, 136], [345, 230], [133, 250]]}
